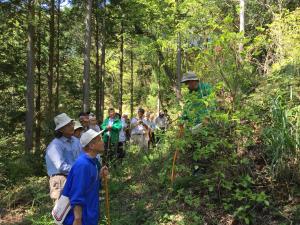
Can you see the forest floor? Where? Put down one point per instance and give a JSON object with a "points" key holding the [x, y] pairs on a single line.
{"points": [[140, 193]]}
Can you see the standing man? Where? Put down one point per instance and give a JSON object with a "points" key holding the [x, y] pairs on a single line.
{"points": [[127, 128], [83, 182], [84, 120], [151, 125], [111, 127], [122, 138], [93, 123], [61, 154], [195, 109], [161, 122], [139, 130], [78, 129]]}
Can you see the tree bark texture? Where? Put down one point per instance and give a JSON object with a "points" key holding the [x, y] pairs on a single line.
{"points": [[87, 49], [242, 21], [131, 84], [38, 97], [51, 58], [178, 67], [98, 85], [102, 76], [57, 59], [121, 69], [29, 121], [102, 64]]}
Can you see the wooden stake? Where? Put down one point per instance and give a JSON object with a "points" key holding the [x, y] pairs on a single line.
{"points": [[107, 200], [180, 135], [173, 167]]}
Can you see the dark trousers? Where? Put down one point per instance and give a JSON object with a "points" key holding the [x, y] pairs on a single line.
{"points": [[110, 150], [121, 150], [113, 150], [151, 140]]}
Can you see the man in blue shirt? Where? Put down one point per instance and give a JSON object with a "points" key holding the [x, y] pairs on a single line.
{"points": [[83, 182], [61, 154]]}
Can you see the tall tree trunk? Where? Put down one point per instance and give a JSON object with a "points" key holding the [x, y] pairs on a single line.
{"points": [[29, 121], [102, 64], [98, 85], [51, 59], [178, 56], [242, 22], [87, 50], [159, 92], [57, 58], [102, 76], [121, 69], [38, 98], [131, 84], [178, 67]]}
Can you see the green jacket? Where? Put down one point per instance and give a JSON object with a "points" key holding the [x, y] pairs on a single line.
{"points": [[197, 105], [115, 130]]}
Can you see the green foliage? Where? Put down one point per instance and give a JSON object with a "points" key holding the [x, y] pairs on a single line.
{"points": [[282, 139], [29, 192], [285, 33]]}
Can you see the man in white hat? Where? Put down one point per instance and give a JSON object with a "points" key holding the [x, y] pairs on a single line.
{"points": [[78, 129], [61, 154], [83, 182]]}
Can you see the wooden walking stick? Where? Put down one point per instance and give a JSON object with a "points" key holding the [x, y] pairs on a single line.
{"points": [[173, 166], [107, 212], [180, 135]]}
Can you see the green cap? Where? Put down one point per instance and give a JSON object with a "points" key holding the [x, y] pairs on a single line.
{"points": [[189, 76]]}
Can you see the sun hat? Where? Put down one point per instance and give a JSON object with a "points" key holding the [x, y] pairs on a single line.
{"points": [[61, 120], [189, 76], [77, 125], [87, 136]]}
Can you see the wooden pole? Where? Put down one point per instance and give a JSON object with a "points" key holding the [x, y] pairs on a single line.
{"points": [[173, 167], [107, 200], [180, 135]]}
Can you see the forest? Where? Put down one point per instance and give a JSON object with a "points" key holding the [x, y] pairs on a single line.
{"points": [[70, 56]]}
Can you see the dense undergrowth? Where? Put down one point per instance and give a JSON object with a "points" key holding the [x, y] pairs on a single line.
{"points": [[240, 168]]}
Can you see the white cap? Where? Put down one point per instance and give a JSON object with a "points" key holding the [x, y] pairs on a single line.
{"points": [[61, 120], [92, 116], [77, 125], [87, 136]]}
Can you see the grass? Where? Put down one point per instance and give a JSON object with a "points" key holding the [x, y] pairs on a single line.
{"points": [[140, 193]]}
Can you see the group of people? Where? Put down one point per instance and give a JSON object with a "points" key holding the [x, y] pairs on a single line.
{"points": [[74, 168], [75, 151], [74, 165]]}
